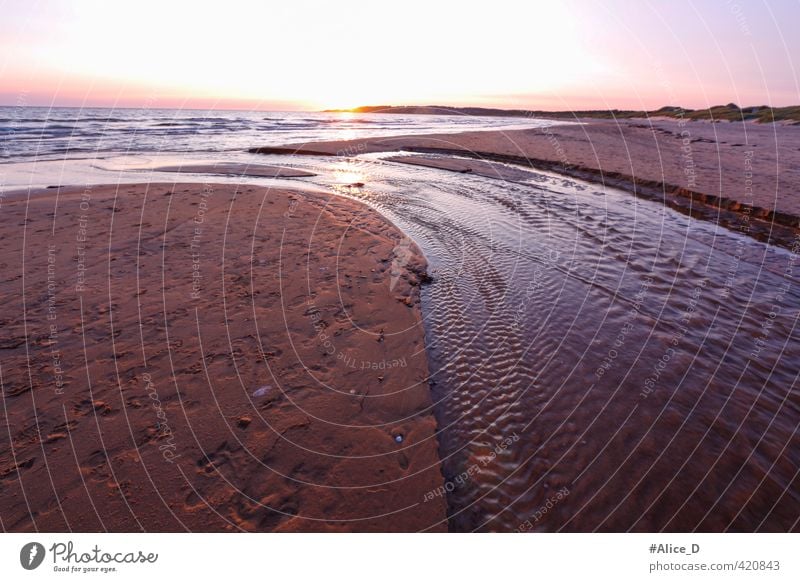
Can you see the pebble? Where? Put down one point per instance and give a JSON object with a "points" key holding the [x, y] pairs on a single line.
{"points": [[398, 438], [262, 391]]}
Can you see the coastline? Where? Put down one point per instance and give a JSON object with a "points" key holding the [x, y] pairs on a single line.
{"points": [[211, 357], [742, 176]]}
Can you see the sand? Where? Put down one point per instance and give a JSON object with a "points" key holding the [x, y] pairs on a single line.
{"points": [[237, 169], [728, 172], [211, 358], [466, 166]]}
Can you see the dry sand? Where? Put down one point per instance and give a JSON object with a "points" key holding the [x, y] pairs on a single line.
{"points": [[733, 173], [211, 358]]}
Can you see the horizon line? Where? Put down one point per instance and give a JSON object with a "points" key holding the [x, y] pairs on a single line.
{"points": [[357, 108]]}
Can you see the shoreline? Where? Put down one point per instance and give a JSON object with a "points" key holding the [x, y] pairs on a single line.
{"points": [[769, 226], [250, 358], [735, 185]]}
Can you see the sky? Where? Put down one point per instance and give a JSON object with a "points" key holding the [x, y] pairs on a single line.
{"points": [[306, 55]]}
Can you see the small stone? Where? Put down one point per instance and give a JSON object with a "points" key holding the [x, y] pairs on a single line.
{"points": [[398, 438], [262, 391], [243, 422]]}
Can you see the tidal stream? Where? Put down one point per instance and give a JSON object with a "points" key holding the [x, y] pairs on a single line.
{"points": [[600, 362]]}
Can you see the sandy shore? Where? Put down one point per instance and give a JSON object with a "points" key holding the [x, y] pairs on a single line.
{"points": [[465, 166], [745, 176], [236, 169], [207, 358]]}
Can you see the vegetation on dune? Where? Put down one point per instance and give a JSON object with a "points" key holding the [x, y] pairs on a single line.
{"points": [[729, 112]]}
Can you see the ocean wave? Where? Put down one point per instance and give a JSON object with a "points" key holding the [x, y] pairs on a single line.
{"points": [[36, 131], [175, 124], [59, 118], [353, 121], [208, 119]]}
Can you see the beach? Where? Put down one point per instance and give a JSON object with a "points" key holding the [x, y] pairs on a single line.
{"points": [[743, 176], [492, 330], [205, 357], [589, 322]]}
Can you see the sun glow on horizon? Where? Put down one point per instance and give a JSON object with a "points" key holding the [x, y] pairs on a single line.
{"points": [[316, 55]]}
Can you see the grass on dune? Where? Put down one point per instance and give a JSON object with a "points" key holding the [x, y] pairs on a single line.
{"points": [[729, 112]]}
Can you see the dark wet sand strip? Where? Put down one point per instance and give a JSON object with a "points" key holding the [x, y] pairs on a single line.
{"points": [[237, 169]]}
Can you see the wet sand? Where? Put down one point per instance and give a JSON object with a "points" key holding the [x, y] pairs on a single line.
{"points": [[601, 363], [466, 166], [236, 169], [212, 358], [744, 176]]}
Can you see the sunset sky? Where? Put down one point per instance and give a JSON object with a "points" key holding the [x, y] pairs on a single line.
{"points": [[314, 55]]}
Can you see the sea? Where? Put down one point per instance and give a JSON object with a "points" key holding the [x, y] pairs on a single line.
{"points": [[32, 135]]}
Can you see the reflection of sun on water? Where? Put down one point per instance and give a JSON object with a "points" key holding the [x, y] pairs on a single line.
{"points": [[342, 132], [349, 172]]}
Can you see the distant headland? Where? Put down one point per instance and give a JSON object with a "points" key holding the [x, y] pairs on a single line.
{"points": [[729, 112]]}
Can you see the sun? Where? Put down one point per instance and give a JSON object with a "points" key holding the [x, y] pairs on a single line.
{"points": [[344, 107]]}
